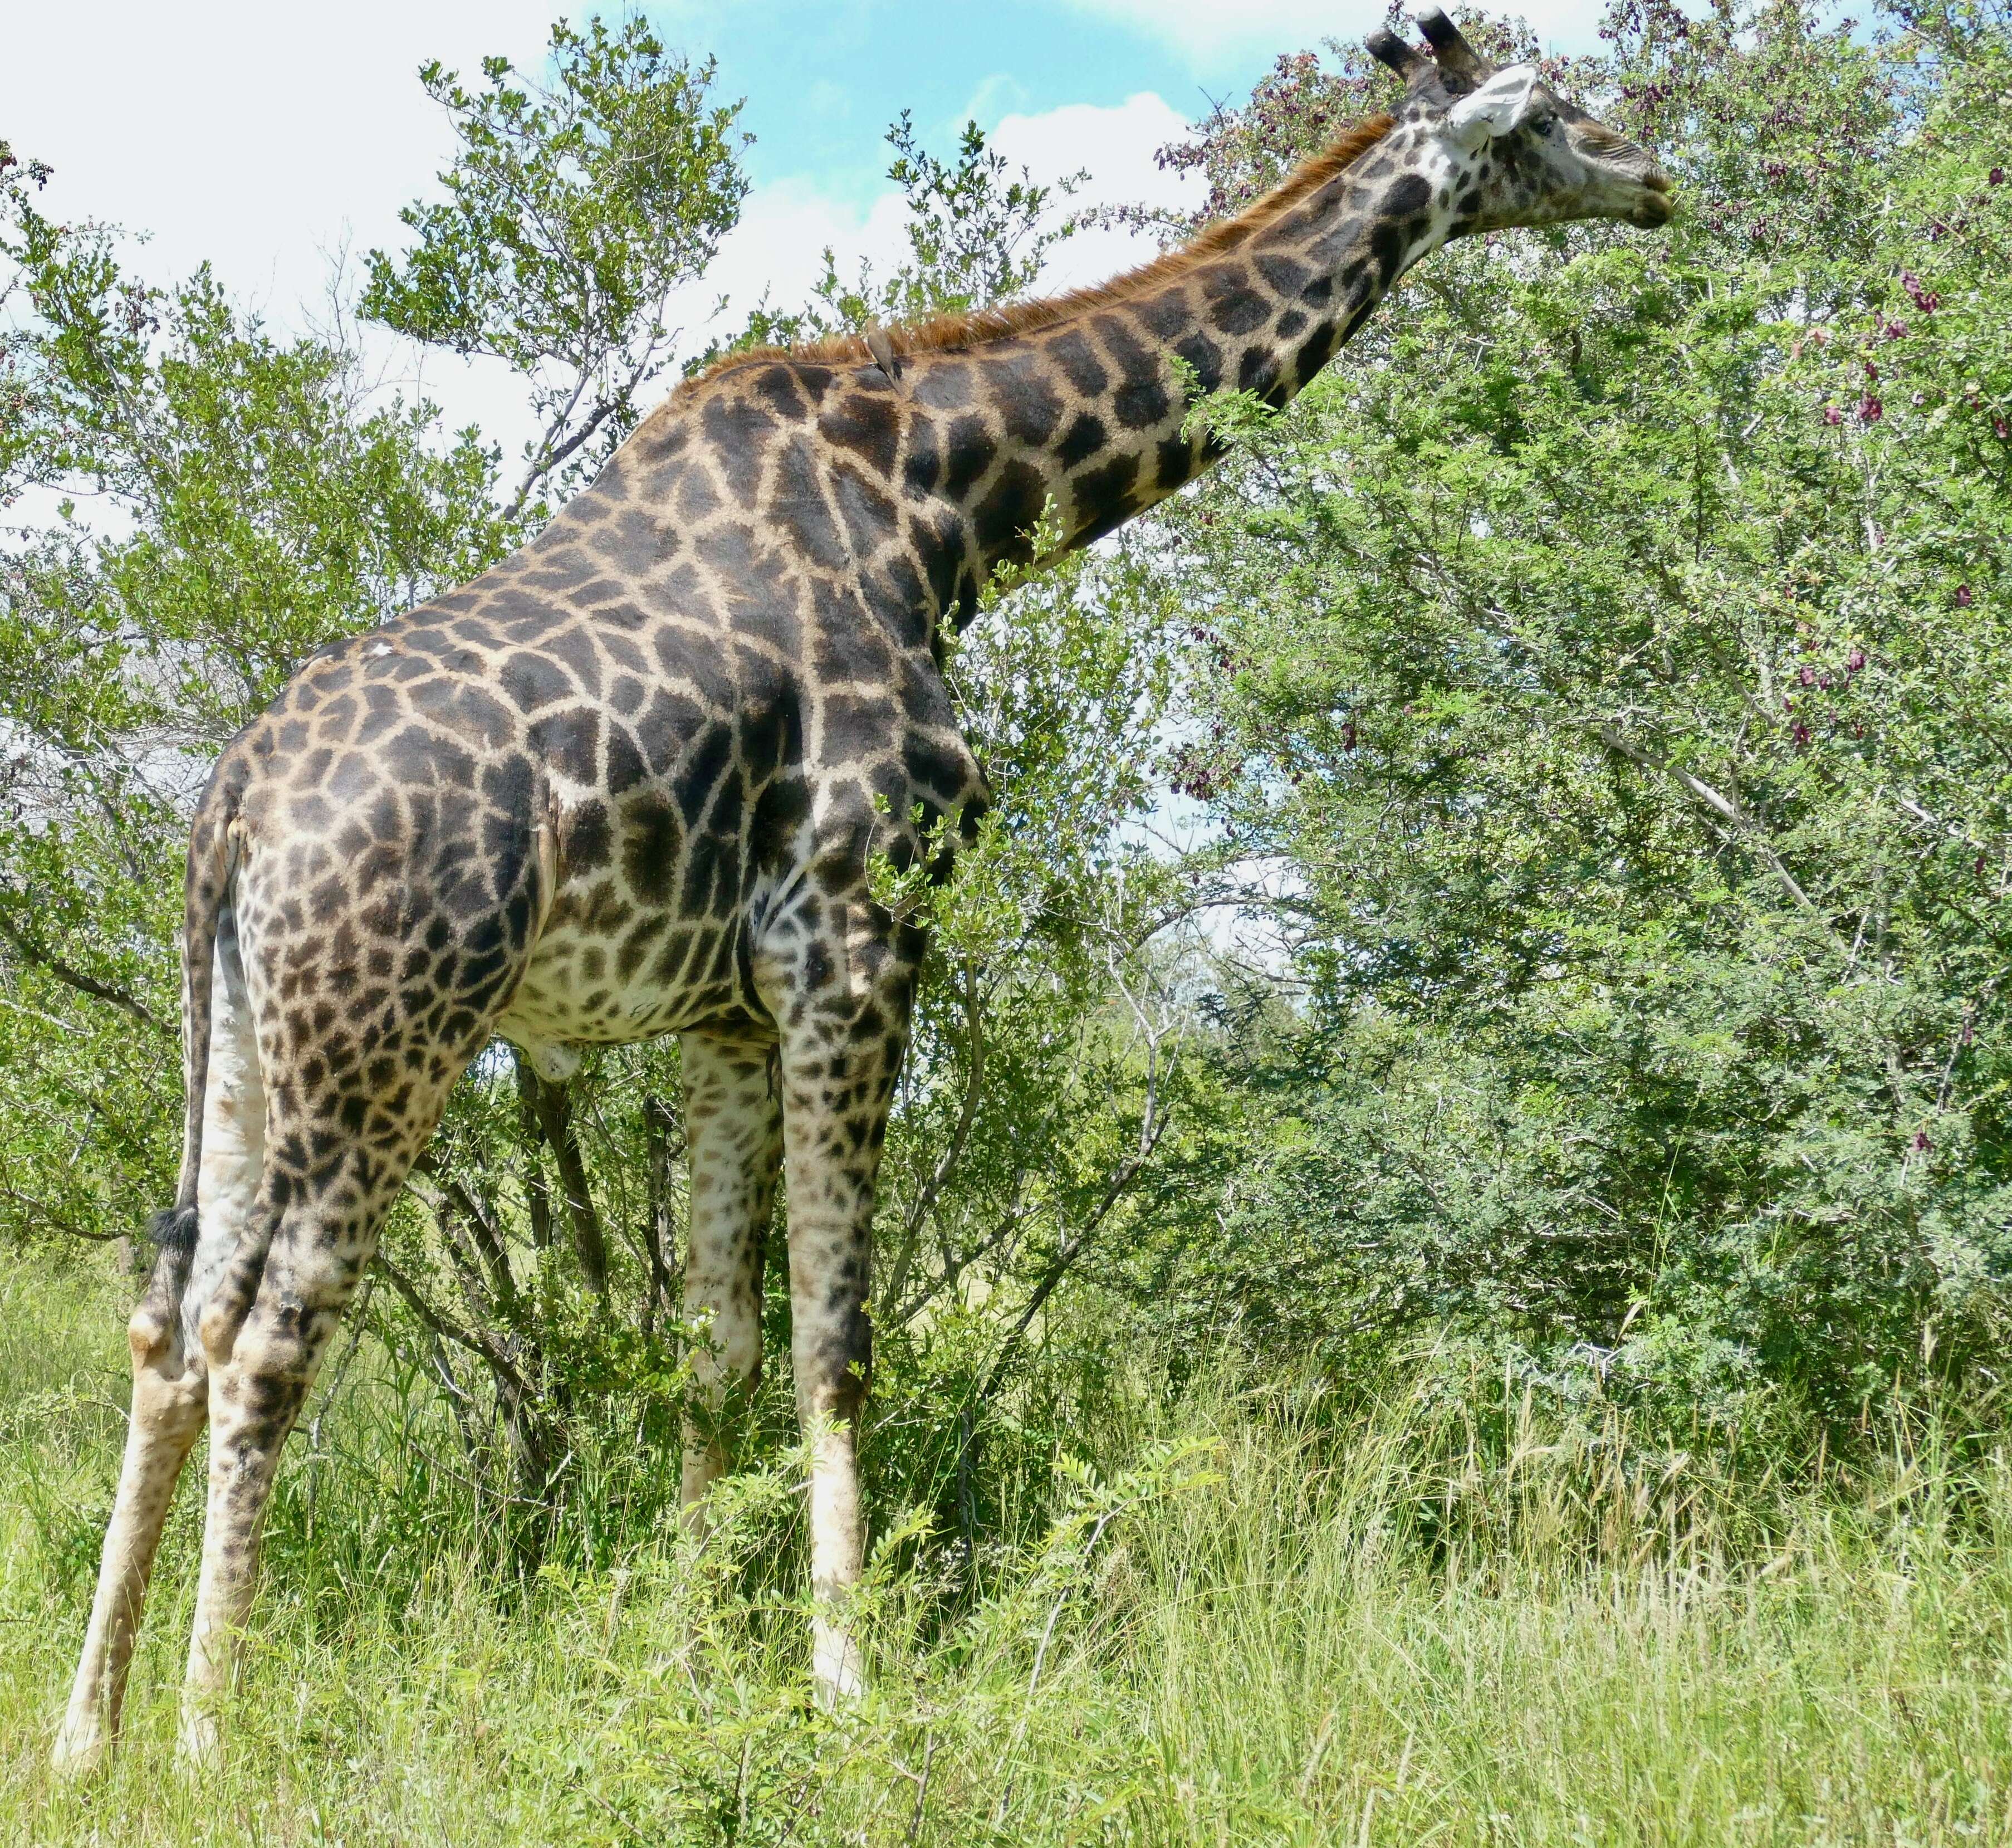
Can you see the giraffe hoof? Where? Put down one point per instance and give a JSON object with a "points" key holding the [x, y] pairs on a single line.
{"points": [[78, 1751], [199, 1747]]}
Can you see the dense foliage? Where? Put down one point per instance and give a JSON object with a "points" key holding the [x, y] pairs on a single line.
{"points": [[1444, 1237], [1605, 667]]}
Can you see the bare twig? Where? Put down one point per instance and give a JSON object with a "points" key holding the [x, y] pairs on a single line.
{"points": [[924, 1203], [660, 1125], [1152, 1125], [552, 1107], [1749, 827]]}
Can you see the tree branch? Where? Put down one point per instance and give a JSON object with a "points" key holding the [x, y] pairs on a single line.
{"points": [[552, 1107], [1721, 805], [483, 1350], [455, 1197], [73, 977], [926, 1196], [1152, 1126]]}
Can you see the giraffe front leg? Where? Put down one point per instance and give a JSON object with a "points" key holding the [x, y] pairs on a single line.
{"points": [[734, 1119], [838, 1079]]}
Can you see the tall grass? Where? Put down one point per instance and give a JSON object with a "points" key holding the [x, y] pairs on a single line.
{"points": [[1261, 1613]]}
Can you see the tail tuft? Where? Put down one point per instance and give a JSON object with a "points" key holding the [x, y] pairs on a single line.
{"points": [[173, 1228]]}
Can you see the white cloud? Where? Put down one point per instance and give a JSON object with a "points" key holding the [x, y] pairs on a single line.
{"points": [[1117, 146], [785, 225], [257, 136], [1201, 30], [263, 140]]}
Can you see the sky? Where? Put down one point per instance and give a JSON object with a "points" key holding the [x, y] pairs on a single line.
{"points": [[268, 139]]}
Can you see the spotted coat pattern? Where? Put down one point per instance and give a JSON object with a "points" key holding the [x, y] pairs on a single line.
{"points": [[629, 783]]}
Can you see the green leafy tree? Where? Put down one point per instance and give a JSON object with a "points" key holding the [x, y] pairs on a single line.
{"points": [[206, 501], [574, 214], [1608, 655], [979, 236]]}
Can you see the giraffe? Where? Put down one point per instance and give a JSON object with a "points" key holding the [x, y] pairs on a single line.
{"points": [[630, 781]]}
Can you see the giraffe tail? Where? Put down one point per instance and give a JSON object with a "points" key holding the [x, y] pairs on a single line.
{"points": [[211, 870]]}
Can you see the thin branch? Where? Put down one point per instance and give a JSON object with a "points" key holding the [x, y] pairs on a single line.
{"points": [[1152, 1126], [1750, 828], [455, 1197], [926, 1196], [37, 1209], [483, 1348], [659, 1232], [73, 977], [552, 1105]]}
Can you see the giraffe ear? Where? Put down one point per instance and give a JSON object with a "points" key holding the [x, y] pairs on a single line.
{"points": [[1499, 106]]}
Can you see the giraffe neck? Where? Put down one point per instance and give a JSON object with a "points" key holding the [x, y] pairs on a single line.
{"points": [[1088, 415]]}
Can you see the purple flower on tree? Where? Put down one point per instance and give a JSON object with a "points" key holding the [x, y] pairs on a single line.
{"points": [[1963, 599], [1870, 409]]}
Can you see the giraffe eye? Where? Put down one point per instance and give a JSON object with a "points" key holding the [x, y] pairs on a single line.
{"points": [[1542, 124]]}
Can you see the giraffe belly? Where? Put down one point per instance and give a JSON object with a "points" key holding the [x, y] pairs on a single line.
{"points": [[605, 974]]}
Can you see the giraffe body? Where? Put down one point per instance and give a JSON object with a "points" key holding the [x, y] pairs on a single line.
{"points": [[630, 782]]}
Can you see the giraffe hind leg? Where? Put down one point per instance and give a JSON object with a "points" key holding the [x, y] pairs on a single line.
{"points": [[170, 1382], [263, 1333]]}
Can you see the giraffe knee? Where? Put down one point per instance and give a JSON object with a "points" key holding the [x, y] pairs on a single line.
{"points": [[217, 1329], [170, 1408], [147, 1334]]}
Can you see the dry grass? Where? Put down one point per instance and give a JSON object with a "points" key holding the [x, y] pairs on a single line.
{"points": [[1268, 1619]]}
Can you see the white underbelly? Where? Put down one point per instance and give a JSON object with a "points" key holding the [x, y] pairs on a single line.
{"points": [[607, 975]]}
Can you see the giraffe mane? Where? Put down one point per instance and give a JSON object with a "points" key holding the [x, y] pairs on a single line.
{"points": [[951, 332]]}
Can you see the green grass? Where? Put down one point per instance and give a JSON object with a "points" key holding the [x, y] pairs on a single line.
{"points": [[1270, 1618]]}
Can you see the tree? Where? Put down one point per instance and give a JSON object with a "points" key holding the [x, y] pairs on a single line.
{"points": [[1607, 657], [219, 501], [978, 236], [574, 214]]}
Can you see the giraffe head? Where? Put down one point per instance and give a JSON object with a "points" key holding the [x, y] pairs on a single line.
{"points": [[1524, 156]]}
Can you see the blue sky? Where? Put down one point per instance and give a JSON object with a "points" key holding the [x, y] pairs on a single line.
{"points": [[822, 81], [268, 139]]}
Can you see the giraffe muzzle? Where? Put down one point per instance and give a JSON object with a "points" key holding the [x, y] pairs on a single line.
{"points": [[1658, 204]]}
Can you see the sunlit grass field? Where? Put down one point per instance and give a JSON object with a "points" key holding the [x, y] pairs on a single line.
{"points": [[1245, 1613]]}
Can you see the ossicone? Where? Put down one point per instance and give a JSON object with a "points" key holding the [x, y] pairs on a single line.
{"points": [[1452, 58]]}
